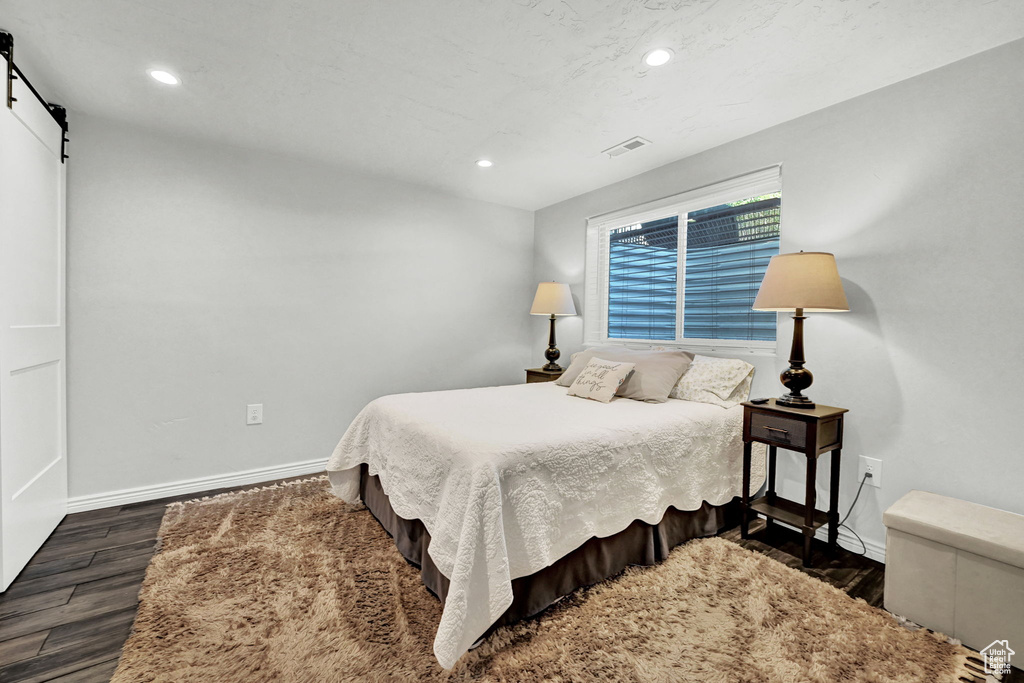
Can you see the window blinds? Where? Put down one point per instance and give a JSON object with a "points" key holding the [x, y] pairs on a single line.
{"points": [[642, 264], [727, 246], [727, 251]]}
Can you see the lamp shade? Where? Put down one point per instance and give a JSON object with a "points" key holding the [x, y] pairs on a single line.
{"points": [[807, 280], [553, 298]]}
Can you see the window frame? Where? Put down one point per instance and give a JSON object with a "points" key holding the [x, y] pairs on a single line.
{"points": [[595, 301]]}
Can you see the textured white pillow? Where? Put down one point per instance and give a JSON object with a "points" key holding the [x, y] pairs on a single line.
{"points": [[719, 381], [600, 379]]}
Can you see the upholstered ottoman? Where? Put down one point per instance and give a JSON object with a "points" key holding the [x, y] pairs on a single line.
{"points": [[956, 567]]}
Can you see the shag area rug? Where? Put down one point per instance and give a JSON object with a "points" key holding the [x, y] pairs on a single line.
{"points": [[288, 583]]}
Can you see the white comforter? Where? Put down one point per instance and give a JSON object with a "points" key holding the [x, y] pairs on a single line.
{"points": [[509, 479]]}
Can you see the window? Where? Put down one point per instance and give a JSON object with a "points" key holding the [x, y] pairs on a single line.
{"points": [[686, 269]]}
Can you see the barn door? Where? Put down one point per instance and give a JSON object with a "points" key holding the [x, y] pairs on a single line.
{"points": [[33, 463]]}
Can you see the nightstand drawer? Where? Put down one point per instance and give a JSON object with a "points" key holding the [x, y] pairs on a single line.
{"points": [[781, 430], [542, 375]]}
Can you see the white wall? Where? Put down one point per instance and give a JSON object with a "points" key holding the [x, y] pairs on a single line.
{"points": [[918, 189], [202, 278]]}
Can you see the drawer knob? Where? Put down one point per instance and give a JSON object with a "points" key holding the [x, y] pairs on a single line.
{"points": [[776, 429]]}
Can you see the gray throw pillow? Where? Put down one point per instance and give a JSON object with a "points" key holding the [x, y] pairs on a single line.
{"points": [[655, 373]]}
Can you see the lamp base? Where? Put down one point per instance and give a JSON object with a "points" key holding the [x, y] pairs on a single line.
{"points": [[796, 377], [791, 401], [552, 353]]}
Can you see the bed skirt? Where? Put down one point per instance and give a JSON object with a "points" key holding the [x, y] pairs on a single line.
{"points": [[594, 561]]}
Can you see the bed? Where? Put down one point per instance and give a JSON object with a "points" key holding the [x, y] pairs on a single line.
{"points": [[507, 496]]}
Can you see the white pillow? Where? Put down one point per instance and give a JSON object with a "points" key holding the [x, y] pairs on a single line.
{"points": [[722, 382], [600, 379]]}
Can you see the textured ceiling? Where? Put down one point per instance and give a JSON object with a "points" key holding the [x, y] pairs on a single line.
{"points": [[417, 90]]}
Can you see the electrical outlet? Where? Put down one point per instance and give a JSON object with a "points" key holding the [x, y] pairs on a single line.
{"points": [[254, 414], [872, 466]]}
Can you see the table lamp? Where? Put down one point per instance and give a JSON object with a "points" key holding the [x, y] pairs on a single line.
{"points": [[806, 282], [552, 298]]}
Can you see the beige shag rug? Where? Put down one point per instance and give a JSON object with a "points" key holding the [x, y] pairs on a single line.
{"points": [[289, 584]]}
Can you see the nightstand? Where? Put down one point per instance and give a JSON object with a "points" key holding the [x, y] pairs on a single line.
{"points": [[542, 375], [811, 432]]}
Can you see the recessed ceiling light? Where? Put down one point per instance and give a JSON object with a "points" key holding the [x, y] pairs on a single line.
{"points": [[485, 163], [658, 57], [164, 77]]}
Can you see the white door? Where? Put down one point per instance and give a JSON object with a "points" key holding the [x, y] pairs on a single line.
{"points": [[33, 463]]}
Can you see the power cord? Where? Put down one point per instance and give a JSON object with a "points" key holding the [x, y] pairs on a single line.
{"points": [[864, 547]]}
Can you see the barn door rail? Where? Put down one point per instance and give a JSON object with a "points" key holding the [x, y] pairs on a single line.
{"points": [[59, 113]]}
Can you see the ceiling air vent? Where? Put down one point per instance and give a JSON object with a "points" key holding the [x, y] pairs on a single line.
{"points": [[627, 146]]}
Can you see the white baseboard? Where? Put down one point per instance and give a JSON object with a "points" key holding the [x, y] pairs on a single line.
{"points": [[871, 549], [874, 550], [96, 501]]}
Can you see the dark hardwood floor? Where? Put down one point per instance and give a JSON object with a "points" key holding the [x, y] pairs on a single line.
{"points": [[66, 617]]}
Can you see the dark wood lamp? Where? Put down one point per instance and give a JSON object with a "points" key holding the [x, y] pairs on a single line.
{"points": [[552, 298], [805, 282]]}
